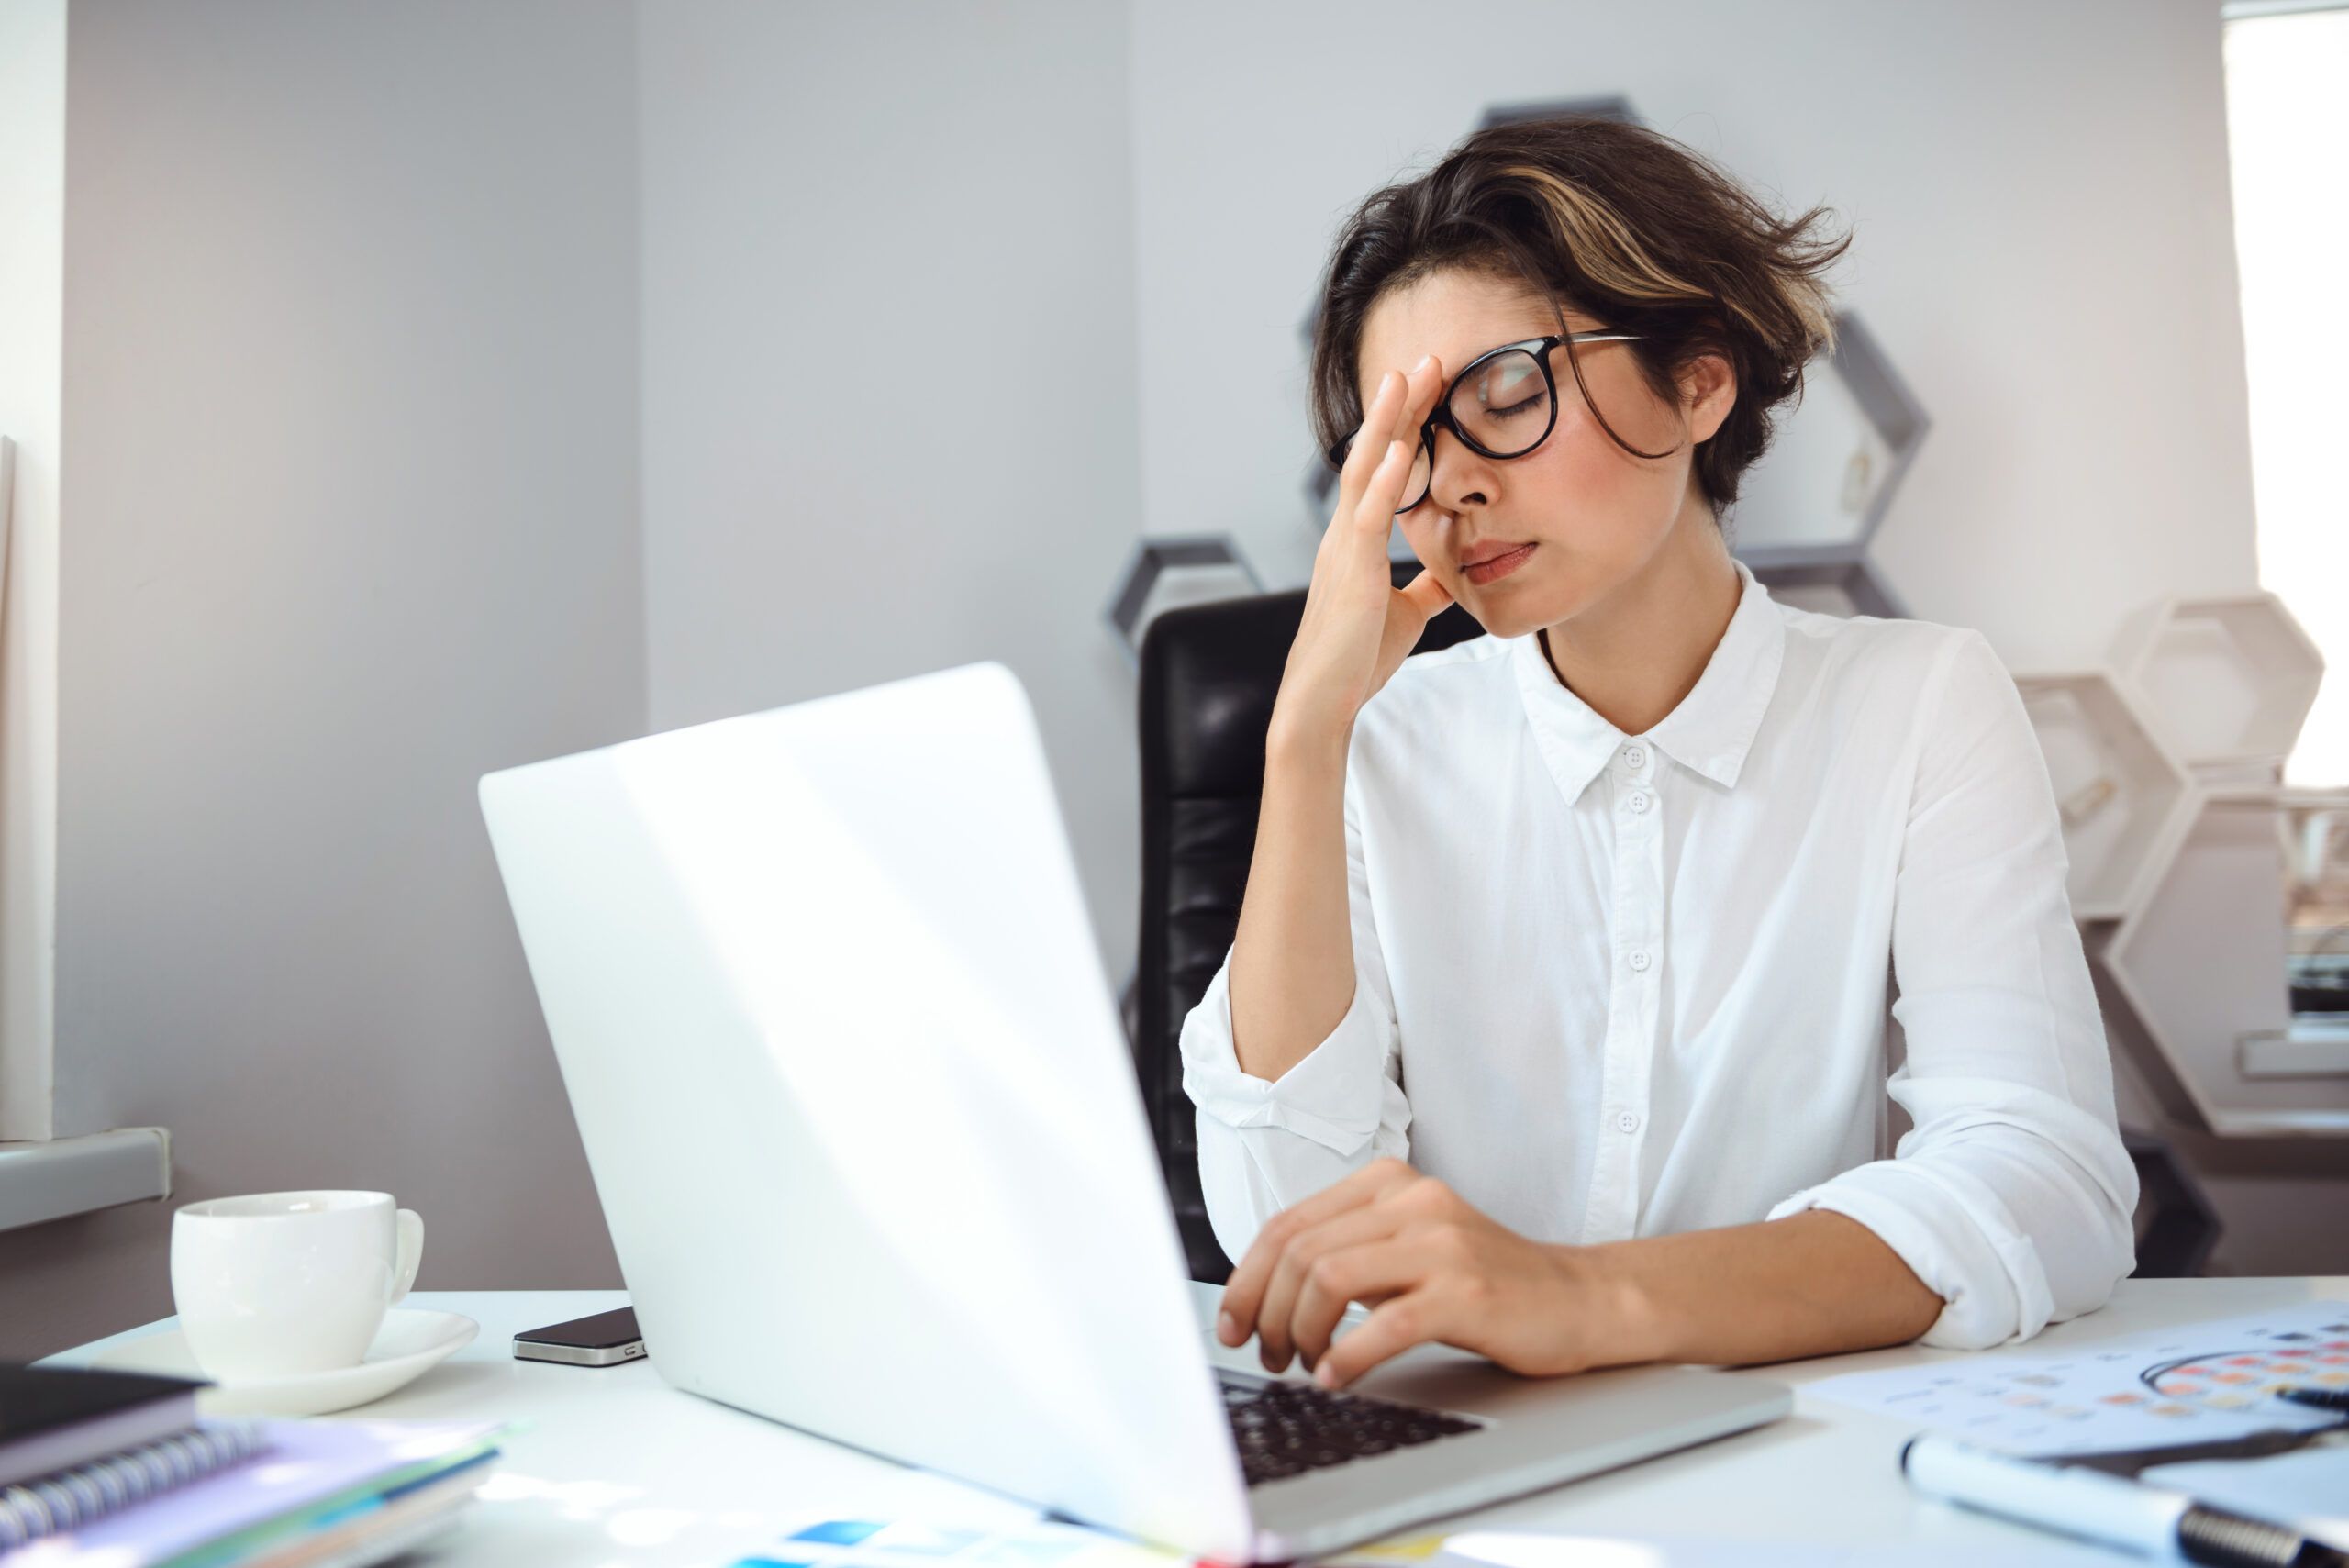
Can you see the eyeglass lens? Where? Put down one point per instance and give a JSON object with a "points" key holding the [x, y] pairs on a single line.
{"points": [[1501, 406]]}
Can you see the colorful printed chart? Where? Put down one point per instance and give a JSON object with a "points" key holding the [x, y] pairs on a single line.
{"points": [[836, 1543], [2201, 1383], [905, 1543], [2240, 1380]]}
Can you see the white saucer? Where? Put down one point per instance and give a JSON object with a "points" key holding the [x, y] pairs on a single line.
{"points": [[409, 1344]]}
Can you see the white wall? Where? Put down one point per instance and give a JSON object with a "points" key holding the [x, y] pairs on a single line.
{"points": [[32, 276], [371, 310], [889, 369], [349, 471], [2040, 197]]}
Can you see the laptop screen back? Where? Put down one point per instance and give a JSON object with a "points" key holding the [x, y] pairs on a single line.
{"points": [[852, 1085]]}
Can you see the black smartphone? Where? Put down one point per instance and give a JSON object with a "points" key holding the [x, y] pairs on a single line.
{"points": [[606, 1338]]}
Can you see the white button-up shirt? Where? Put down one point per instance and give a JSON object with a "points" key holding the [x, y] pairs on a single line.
{"points": [[1609, 986]]}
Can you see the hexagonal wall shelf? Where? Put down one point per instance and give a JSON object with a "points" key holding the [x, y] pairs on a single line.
{"points": [[1164, 573], [2201, 962], [2228, 680], [2316, 833], [1836, 461], [2125, 801], [1614, 107], [1847, 587]]}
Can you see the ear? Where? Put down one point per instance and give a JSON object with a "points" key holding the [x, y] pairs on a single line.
{"points": [[1707, 392]]}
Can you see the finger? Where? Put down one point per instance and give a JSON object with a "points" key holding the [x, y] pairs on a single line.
{"points": [[1406, 419], [1373, 513], [1244, 1291], [1426, 596], [1276, 1319], [1414, 1318], [1422, 386], [1378, 428], [1365, 1258], [1408, 610], [1397, 408]]}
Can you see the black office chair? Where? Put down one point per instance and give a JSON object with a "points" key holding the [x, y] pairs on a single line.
{"points": [[1209, 676], [2177, 1226]]}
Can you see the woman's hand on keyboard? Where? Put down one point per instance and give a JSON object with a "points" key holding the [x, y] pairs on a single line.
{"points": [[1432, 1268]]}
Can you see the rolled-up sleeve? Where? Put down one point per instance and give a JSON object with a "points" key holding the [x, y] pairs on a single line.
{"points": [[2012, 1197], [1265, 1145]]}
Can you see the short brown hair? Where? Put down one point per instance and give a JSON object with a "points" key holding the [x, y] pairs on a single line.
{"points": [[1613, 220]]}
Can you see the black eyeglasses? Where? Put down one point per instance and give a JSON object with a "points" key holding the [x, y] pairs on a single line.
{"points": [[1503, 405]]}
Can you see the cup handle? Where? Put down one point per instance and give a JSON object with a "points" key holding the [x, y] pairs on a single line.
{"points": [[411, 1253]]}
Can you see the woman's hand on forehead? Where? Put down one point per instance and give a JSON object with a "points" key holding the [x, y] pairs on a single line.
{"points": [[1456, 316], [1357, 626], [1292, 962]]}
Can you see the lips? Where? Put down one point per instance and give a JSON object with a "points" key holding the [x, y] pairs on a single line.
{"points": [[1488, 562]]}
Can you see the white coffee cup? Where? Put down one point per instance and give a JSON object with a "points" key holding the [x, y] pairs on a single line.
{"points": [[275, 1285]]}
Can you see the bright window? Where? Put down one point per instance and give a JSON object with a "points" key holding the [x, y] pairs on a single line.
{"points": [[2287, 125]]}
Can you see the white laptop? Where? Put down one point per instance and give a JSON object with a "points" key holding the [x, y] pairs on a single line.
{"points": [[868, 1140]]}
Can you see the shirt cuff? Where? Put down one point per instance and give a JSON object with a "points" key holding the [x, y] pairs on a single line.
{"points": [[1333, 1096], [1955, 1235]]}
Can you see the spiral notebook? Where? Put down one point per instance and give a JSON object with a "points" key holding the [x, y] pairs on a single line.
{"points": [[323, 1491], [53, 1418], [66, 1500]]}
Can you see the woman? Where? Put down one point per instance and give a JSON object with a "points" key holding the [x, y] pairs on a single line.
{"points": [[1556, 1024]]}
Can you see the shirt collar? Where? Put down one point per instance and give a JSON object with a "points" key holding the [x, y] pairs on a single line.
{"points": [[1711, 730]]}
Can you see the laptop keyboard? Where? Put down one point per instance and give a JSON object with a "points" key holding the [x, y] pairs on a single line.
{"points": [[1288, 1429]]}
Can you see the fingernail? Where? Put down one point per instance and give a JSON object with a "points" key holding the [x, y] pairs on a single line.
{"points": [[1425, 360], [1227, 1327], [1326, 1374]]}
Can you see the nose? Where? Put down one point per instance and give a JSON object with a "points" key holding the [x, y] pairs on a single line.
{"points": [[1458, 477]]}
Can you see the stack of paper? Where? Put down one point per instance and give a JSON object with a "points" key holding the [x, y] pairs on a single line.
{"points": [[2200, 1383], [341, 1493]]}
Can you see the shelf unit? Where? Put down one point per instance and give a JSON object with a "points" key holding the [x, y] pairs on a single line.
{"points": [[2125, 801], [1163, 573], [1846, 588], [2200, 961], [2229, 680], [1836, 459]]}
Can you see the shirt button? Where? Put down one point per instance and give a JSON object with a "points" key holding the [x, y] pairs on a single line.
{"points": [[1639, 961], [1637, 756], [1625, 1122], [1638, 803]]}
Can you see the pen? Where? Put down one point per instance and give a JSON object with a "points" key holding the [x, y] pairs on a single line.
{"points": [[2322, 1399], [2096, 1507]]}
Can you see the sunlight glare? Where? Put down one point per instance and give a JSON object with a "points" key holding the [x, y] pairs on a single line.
{"points": [[2287, 125]]}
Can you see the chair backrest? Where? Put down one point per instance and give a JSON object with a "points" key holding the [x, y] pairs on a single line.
{"points": [[1209, 676], [2177, 1226]]}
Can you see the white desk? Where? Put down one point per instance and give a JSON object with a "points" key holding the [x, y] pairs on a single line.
{"points": [[614, 1469]]}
